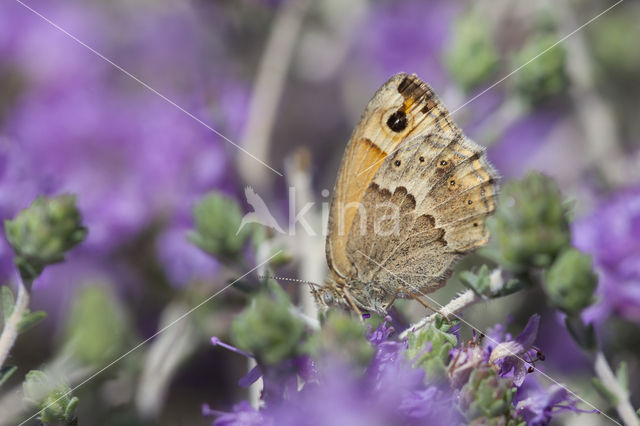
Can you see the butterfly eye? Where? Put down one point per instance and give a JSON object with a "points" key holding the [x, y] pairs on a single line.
{"points": [[327, 298]]}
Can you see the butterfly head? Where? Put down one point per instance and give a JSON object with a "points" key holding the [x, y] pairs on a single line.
{"points": [[329, 295]]}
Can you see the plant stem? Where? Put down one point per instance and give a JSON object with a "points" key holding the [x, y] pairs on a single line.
{"points": [[455, 306], [268, 90], [609, 380], [10, 330]]}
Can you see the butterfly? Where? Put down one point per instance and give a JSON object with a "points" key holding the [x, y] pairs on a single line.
{"points": [[412, 196]]}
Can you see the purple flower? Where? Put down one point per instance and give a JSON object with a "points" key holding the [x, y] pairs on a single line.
{"points": [[242, 415], [215, 341], [382, 333], [464, 362], [389, 391], [523, 144], [406, 36], [611, 234], [182, 261], [341, 398], [539, 404], [430, 406], [512, 356], [79, 125]]}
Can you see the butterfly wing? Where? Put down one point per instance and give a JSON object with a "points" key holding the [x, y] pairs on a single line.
{"points": [[405, 107], [425, 207]]}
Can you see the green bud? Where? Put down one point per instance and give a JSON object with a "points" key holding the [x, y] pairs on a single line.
{"points": [[479, 281], [342, 336], [429, 349], [489, 283], [530, 226], [96, 329], [540, 79], [52, 397], [472, 58], [486, 398], [570, 282], [217, 226], [6, 371], [267, 328], [43, 233], [279, 256], [611, 47]]}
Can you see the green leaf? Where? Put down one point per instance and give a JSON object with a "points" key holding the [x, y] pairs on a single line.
{"points": [[478, 281], [6, 372], [70, 410], [512, 286], [30, 319], [243, 286], [429, 349], [267, 328], [343, 338], [8, 302], [487, 398], [622, 376], [604, 391], [96, 327]]}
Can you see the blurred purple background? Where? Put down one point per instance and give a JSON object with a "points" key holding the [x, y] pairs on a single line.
{"points": [[72, 122]]}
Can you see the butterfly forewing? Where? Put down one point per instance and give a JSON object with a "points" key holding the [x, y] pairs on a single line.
{"points": [[404, 108]]}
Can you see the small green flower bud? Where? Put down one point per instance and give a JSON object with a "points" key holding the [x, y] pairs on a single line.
{"points": [[570, 281], [43, 233], [545, 76], [96, 329], [530, 226], [489, 283], [52, 397], [472, 57], [342, 336], [486, 398], [611, 47], [429, 349], [218, 226], [267, 329]]}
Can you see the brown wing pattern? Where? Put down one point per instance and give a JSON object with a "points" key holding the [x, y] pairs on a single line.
{"points": [[405, 107], [442, 188]]}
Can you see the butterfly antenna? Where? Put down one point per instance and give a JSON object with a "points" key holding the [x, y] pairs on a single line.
{"points": [[295, 280]]}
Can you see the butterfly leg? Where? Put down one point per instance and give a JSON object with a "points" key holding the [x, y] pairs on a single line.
{"points": [[393, 299], [455, 360], [349, 298], [426, 305]]}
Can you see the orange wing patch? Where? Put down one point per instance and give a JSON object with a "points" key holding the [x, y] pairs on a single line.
{"points": [[342, 213]]}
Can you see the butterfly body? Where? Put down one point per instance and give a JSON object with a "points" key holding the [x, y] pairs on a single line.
{"points": [[411, 197]]}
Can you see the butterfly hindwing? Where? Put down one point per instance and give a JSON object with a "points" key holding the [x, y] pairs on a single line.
{"points": [[426, 206]]}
